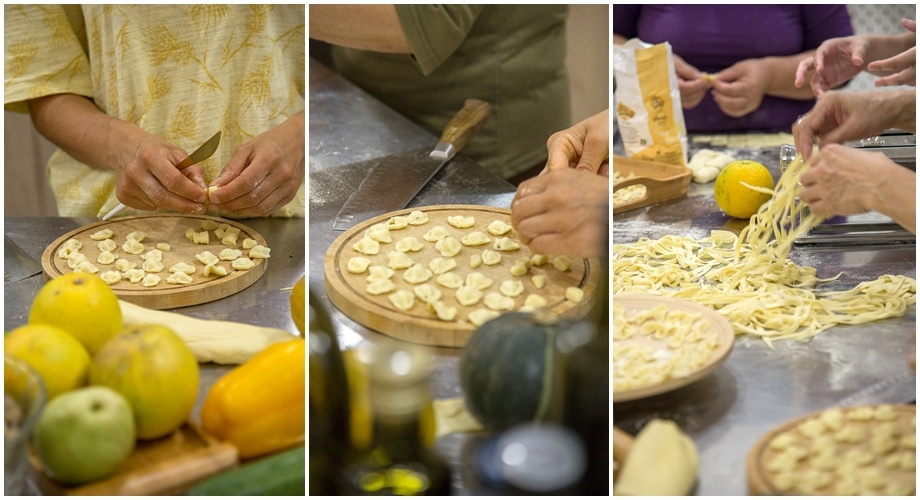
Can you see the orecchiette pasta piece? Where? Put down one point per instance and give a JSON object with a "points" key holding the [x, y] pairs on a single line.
{"points": [[136, 236], [102, 235], [440, 265], [518, 270], [538, 281], [163, 247], [448, 247], [574, 294], [427, 293], [379, 273], [396, 223], [214, 269], [480, 316], [885, 413], [152, 266], [475, 238], [379, 232], [242, 264], [229, 254], [467, 295], [498, 227], [443, 311], [402, 300], [229, 239], [506, 245], [202, 238], [437, 233], [106, 257], [231, 230], [535, 301], [124, 265], [562, 263], [221, 230], [478, 281], [249, 243], [379, 287], [155, 254], [539, 259], [365, 245], [133, 247], [417, 274], [75, 259], [850, 434], [178, 278], [259, 252], [209, 225], [417, 218], [134, 275], [207, 257], [475, 261], [357, 265], [461, 222], [182, 267], [72, 244], [409, 244], [107, 245], [399, 260], [498, 302], [861, 414], [110, 277], [151, 280], [491, 257], [190, 234], [511, 288], [450, 280]]}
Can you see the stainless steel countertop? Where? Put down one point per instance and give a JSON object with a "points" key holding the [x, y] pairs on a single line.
{"points": [[263, 303], [349, 130], [759, 388]]}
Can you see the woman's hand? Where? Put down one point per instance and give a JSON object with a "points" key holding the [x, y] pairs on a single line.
{"points": [[834, 63], [690, 82], [563, 212], [739, 89], [583, 146], [264, 173]]}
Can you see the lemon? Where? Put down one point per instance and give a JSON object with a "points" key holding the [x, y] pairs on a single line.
{"points": [[155, 371], [738, 200], [80, 304], [59, 359], [297, 305]]}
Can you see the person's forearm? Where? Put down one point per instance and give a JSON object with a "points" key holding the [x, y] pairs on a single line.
{"points": [[902, 107], [782, 76], [898, 198], [366, 27], [76, 125]]}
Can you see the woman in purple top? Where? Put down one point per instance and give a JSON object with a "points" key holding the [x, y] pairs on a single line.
{"points": [[752, 51]]}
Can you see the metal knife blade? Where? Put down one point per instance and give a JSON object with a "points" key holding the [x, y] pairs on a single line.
{"points": [[392, 183], [199, 155], [17, 264], [900, 389]]}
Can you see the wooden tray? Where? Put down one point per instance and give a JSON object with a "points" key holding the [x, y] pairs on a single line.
{"points": [[164, 466], [662, 181], [720, 326], [419, 325], [759, 478], [162, 229]]}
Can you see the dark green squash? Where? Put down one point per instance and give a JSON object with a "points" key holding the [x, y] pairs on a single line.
{"points": [[508, 370]]}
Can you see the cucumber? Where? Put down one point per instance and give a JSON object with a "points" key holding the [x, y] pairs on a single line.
{"points": [[280, 474]]}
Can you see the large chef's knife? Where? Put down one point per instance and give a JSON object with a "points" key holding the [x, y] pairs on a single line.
{"points": [[392, 183]]}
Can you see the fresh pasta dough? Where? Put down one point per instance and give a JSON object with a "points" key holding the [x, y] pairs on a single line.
{"points": [[750, 280]]}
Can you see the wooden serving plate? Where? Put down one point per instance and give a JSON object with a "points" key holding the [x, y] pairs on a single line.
{"points": [[719, 325], [419, 325], [162, 229], [662, 181], [164, 466], [759, 479]]}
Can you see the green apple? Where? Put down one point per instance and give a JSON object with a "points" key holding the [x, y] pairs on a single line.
{"points": [[84, 435]]}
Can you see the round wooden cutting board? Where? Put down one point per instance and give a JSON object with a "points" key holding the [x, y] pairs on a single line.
{"points": [[348, 290], [168, 229], [897, 478]]}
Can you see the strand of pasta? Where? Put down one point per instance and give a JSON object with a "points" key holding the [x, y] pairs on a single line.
{"points": [[750, 280]]}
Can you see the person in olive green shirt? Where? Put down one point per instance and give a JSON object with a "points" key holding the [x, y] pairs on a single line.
{"points": [[426, 60]]}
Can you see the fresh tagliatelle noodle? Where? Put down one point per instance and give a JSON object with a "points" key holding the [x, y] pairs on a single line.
{"points": [[749, 279]]}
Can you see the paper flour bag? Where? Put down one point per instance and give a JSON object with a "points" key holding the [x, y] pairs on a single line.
{"points": [[649, 112]]}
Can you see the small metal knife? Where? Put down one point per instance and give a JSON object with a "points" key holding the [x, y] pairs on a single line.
{"points": [[17, 264], [391, 186], [901, 389], [199, 155]]}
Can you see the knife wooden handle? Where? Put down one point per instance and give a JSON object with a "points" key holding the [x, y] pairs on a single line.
{"points": [[464, 125]]}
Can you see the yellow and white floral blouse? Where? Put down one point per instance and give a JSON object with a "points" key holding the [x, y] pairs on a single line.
{"points": [[180, 72]]}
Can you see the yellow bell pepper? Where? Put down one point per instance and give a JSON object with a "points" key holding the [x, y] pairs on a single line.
{"points": [[259, 406]]}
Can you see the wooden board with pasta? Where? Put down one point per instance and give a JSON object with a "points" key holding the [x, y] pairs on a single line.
{"points": [[662, 344], [638, 183], [431, 275]]}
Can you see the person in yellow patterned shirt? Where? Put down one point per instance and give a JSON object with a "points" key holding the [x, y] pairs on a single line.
{"points": [[127, 91]]}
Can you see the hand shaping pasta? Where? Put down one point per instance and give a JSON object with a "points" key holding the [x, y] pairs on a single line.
{"points": [[584, 146]]}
